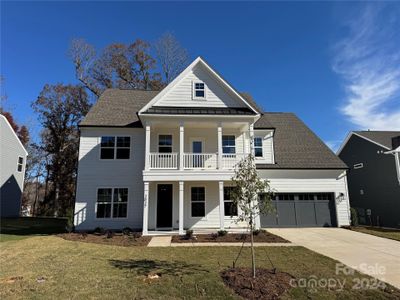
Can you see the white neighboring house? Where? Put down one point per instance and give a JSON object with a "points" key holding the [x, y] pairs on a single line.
{"points": [[164, 160], [12, 170]]}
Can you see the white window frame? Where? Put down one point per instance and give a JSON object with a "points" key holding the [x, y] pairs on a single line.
{"points": [[228, 146], [204, 202], [20, 164], [358, 166], [112, 203], [172, 143], [115, 148], [229, 200], [262, 146], [194, 91]]}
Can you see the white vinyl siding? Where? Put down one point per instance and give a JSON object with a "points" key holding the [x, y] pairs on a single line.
{"points": [[94, 173], [267, 146], [181, 95]]}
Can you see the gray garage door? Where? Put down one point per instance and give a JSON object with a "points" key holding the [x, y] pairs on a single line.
{"points": [[301, 210]]}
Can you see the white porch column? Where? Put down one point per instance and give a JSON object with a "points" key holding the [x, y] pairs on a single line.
{"points": [[181, 189], [181, 145], [221, 205], [219, 146], [146, 209], [147, 149], [251, 134]]}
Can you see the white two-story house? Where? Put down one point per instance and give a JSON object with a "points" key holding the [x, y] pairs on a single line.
{"points": [[164, 160]]}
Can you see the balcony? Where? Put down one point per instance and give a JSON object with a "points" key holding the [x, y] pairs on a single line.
{"points": [[193, 161]]}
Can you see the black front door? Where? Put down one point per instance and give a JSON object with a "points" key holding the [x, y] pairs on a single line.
{"points": [[164, 206]]}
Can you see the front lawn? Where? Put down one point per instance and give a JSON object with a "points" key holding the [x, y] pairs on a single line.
{"points": [[388, 233], [49, 267]]}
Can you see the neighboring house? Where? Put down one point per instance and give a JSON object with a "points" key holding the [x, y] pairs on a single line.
{"points": [[12, 170], [164, 160], [374, 175]]}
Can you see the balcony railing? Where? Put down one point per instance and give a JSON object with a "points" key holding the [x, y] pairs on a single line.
{"points": [[163, 160], [194, 161]]}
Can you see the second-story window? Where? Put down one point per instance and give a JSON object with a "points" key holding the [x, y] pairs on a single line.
{"points": [[228, 144], [199, 90], [258, 146], [165, 143], [20, 164], [112, 147]]}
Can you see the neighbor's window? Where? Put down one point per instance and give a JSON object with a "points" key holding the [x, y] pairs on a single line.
{"points": [[112, 203], [230, 208], [198, 197], [20, 164], [258, 146], [165, 143], [115, 147], [199, 90], [228, 144]]}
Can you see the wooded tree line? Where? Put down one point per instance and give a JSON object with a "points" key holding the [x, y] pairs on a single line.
{"points": [[53, 160]]}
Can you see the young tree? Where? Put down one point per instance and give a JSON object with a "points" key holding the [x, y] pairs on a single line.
{"points": [[173, 58], [252, 195], [61, 108]]}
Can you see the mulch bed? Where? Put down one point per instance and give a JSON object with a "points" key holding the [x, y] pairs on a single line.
{"points": [[116, 239], [267, 284], [261, 237]]}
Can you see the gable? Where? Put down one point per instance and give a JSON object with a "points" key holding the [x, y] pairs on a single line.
{"points": [[181, 95], [218, 93]]}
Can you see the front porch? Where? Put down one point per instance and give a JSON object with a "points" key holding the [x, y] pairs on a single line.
{"points": [[175, 206]]}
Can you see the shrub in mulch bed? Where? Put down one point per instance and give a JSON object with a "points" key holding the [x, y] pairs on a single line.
{"points": [[108, 238], [267, 284], [261, 236]]}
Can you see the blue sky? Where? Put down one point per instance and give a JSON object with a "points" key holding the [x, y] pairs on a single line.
{"points": [[336, 65]]}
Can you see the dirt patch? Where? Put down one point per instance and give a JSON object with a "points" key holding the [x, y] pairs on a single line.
{"points": [[117, 239], [267, 284], [261, 237]]}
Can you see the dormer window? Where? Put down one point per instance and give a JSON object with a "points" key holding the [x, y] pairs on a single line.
{"points": [[199, 90]]}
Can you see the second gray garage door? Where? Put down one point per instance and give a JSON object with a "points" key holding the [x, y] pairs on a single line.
{"points": [[301, 210]]}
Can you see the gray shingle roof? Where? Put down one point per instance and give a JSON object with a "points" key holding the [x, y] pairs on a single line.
{"points": [[118, 108], [107, 110], [381, 137], [296, 146]]}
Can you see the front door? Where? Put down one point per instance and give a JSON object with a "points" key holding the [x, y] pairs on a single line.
{"points": [[164, 206], [197, 149]]}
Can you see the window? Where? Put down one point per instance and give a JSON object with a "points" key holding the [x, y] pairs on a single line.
{"points": [[229, 207], [325, 196], [20, 164], [258, 146], [285, 197], [306, 196], [108, 202], [111, 149], [165, 143], [198, 201], [358, 166], [228, 144], [199, 90]]}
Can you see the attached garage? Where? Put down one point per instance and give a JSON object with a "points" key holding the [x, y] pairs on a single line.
{"points": [[301, 210]]}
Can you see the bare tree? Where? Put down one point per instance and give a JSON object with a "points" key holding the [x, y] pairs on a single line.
{"points": [[172, 57], [252, 195]]}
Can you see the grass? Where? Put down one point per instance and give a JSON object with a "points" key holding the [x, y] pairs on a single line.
{"points": [[48, 267], [393, 234], [12, 229]]}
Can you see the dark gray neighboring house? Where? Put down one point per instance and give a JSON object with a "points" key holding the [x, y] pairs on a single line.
{"points": [[374, 176]]}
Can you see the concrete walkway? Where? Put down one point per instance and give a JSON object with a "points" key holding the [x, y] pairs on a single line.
{"points": [[160, 241], [372, 255]]}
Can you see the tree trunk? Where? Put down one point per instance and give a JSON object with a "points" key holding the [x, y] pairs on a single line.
{"points": [[253, 258]]}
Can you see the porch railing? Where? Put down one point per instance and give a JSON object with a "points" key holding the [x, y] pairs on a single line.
{"points": [[200, 160], [206, 161], [163, 160], [229, 161]]}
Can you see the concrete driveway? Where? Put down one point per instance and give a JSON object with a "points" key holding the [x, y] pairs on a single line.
{"points": [[375, 256]]}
